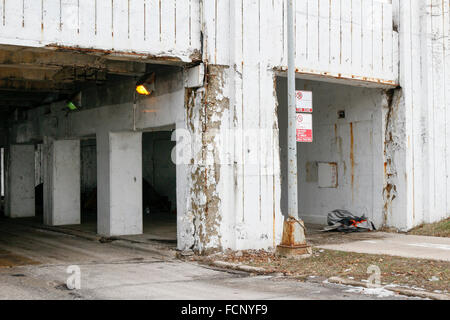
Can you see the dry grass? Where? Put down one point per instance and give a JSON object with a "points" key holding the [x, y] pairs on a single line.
{"points": [[438, 229], [413, 273]]}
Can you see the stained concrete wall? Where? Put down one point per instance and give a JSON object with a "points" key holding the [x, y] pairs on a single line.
{"points": [[232, 177], [162, 109], [39, 164], [61, 182], [352, 40], [355, 144], [119, 176], [19, 197], [157, 169], [417, 188], [229, 191], [230, 201]]}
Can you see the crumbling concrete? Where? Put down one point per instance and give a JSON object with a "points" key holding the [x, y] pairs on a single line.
{"points": [[229, 189], [393, 139], [205, 172]]}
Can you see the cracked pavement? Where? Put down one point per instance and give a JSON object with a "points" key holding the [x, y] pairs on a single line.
{"points": [[33, 265]]}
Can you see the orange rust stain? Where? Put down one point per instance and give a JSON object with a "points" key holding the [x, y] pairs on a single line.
{"points": [[288, 234], [352, 157], [336, 133], [288, 239], [342, 76], [9, 260], [274, 215]]}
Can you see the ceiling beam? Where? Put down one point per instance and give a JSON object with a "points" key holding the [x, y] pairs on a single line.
{"points": [[16, 104], [12, 95], [48, 59], [63, 74], [9, 72], [35, 86]]}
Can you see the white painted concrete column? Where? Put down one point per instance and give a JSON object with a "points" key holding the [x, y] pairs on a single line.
{"points": [[182, 156], [119, 181], [61, 182], [20, 182]]}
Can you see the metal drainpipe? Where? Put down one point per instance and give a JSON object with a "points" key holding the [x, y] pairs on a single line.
{"points": [[134, 110], [293, 244], [292, 140]]}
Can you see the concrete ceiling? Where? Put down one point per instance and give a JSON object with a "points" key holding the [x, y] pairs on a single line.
{"points": [[30, 77]]}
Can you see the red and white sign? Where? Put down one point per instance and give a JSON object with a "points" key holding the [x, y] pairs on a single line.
{"points": [[304, 127], [304, 101]]}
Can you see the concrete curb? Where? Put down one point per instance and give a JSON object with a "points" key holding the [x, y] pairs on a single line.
{"points": [[402, 291], [70, 232], [239, 267], [142, 247]]}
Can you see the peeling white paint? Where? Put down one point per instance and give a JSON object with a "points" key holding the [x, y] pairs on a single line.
{"points": [[237, 183]]}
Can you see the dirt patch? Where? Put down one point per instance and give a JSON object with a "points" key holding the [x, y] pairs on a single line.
{"points": [[438, 229], [339, 238], [410, 273], [9, 260], [316, 237]]}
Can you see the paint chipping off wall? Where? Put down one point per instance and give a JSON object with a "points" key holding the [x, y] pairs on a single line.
{"points": [[208, 104], [390, 149], [393, 139]]}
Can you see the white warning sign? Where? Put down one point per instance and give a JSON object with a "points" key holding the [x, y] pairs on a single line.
{"points": [[304, 101], [304, 127]]}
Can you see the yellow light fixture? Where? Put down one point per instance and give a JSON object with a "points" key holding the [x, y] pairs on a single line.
{"points": [[142, 90], [146, 85]]}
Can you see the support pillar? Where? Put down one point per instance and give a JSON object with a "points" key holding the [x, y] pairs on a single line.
{"points": [[20, 182], [119, 183], [62, 182]]}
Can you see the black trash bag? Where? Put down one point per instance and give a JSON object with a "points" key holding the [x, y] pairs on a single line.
{"points": [[345, 221]]}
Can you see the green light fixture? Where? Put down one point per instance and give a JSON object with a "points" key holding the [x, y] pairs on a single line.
{"points": [[74, 101], [71, 106]]}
